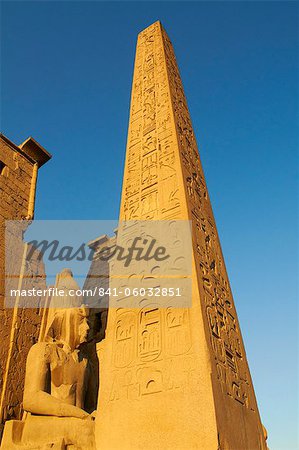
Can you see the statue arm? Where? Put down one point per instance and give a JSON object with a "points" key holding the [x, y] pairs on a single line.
{"points": [[36, 399]]}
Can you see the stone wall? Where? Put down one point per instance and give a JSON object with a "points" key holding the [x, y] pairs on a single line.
{"points": [[19, 326]]}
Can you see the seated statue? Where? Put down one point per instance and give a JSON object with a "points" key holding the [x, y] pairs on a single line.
{"points": [[55, 386]]}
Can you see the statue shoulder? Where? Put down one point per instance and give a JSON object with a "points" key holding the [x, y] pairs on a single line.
{"points": [[41, 350]]}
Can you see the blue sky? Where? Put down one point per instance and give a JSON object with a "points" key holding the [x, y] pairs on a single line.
{"points": [[66, 77]]}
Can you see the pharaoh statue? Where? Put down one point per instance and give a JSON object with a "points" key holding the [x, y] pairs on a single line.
{"points": [[56, 383]]}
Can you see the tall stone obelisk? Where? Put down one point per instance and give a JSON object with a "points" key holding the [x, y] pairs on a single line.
{"points": [[195, 391]]}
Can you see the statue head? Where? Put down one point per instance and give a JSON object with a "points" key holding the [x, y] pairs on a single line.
{"points": [[69, 326], [66, 273], [68, 294]]}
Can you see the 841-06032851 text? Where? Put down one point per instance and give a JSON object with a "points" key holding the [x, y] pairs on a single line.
{"points": [[147, 292]]}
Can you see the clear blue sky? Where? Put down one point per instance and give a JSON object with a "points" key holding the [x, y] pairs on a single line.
{"points": [[66, 80]]}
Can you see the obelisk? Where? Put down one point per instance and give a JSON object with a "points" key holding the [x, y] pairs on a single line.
{"points": [[197, 393]]}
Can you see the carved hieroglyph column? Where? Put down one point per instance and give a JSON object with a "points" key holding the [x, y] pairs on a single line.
{"points": [[195, 390]]}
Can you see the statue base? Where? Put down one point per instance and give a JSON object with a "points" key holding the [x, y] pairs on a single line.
{"points": [[44, 432]]}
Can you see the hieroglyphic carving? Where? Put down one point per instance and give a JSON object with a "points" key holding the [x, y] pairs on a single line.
{"points": [[155, 378], [178, 338], [151, 185], [214, 287], [161, 143], [150, 336], [124, 340], [151, 189]]}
